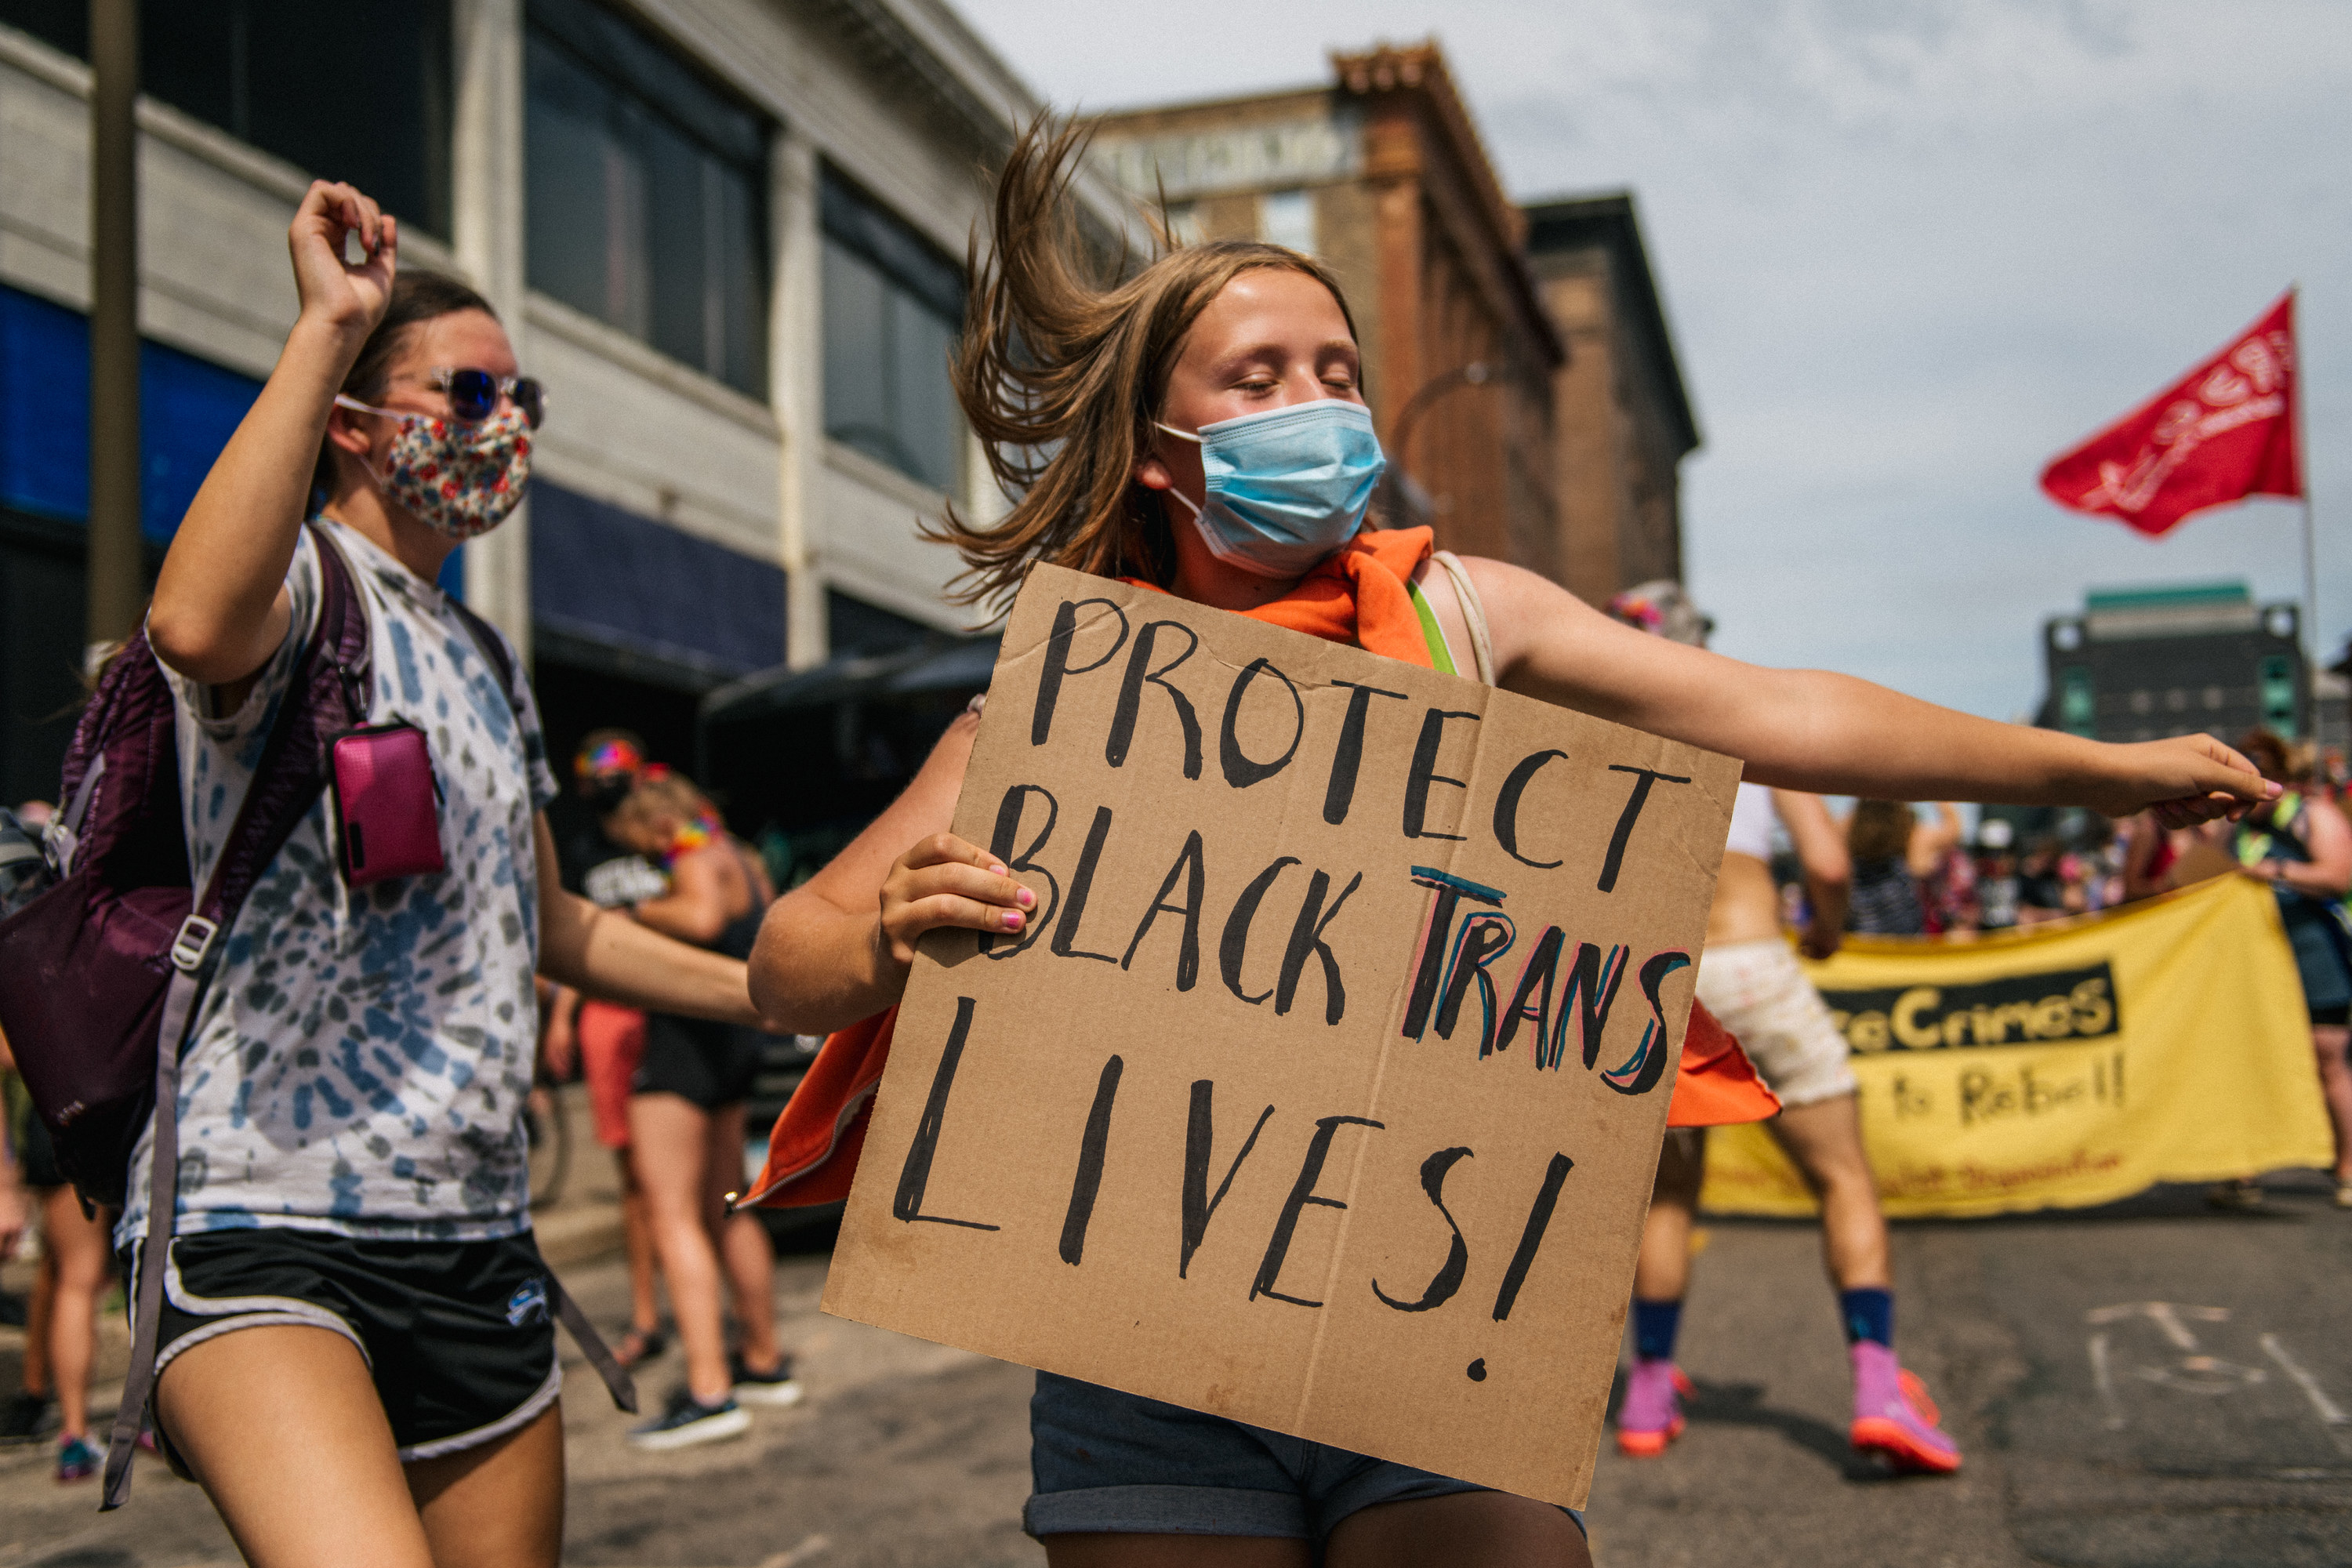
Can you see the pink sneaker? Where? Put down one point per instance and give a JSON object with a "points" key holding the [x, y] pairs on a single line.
{"points": [[1652, 1416], [1893, 1416]]}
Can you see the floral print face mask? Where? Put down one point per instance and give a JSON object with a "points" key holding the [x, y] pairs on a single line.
{"points": [[460, 478]]}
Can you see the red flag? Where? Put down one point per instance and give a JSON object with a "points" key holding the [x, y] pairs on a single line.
{"points": [[2222, 433]]}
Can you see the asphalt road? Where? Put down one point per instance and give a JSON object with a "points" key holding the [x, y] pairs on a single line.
{"points": [[2150, 1384]]}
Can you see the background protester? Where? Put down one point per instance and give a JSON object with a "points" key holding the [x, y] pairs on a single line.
{"points": [[2301, 846], [1938, 858], [605, 1040], [1997, 873], [686, 1123], [1751, 981], [1098, 399], [1885, 899], [2043, 891], [357, 1344]]}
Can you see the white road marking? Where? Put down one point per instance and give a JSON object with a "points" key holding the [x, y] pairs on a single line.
{"points": [[2329, 1411], [810, 1548], [2104, 1380]]}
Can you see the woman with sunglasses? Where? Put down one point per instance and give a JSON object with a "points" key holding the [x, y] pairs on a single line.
{"points": [[1107, 404], [356, 1357]]}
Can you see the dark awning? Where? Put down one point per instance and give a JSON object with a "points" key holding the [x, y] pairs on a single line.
{"points": [[946, 665]]}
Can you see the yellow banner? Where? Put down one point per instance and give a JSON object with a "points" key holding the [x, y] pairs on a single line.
{"points": [[2064, 1065]]}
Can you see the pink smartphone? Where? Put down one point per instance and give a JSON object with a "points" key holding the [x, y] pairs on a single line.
{"points": [[386, 804]]}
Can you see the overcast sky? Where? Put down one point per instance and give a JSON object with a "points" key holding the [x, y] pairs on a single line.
{"points": [[1910, 250]]}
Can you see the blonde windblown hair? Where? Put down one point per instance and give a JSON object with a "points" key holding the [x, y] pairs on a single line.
{"points": [[1064, 366]]}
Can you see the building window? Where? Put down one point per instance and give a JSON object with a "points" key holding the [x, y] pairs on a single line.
{"points": [[356, 92], [893, 310], [1287, 217], [645, 201]]}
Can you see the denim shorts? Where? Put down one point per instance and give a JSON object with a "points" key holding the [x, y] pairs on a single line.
{"points": [[1113, 1462]]}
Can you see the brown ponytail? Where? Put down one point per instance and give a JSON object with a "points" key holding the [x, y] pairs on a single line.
{"points": [[1062, 368]]}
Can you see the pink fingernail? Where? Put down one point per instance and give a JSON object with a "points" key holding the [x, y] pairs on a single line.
{"points": [[1012, 919], [997, 870], [1027, 898]]}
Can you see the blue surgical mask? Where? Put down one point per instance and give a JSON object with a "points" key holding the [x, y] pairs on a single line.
{"points": [[1287, 487]]}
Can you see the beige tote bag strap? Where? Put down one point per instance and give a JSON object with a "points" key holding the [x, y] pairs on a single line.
{"points": [[1474, 614]]}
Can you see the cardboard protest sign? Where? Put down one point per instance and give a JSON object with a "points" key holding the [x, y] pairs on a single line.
{"points": [[1324, 1090]]}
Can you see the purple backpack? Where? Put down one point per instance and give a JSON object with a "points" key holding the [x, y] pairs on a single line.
{"points": [[107, 965]]}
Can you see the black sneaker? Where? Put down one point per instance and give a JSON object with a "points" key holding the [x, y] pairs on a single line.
{"points": [[22, 1417], [778, 1386], [687, 1421]]}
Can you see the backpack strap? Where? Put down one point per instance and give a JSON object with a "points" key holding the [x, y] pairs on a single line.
{"points": [[328, 681], [1474, 615]]}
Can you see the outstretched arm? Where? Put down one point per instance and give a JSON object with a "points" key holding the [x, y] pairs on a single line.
{"points": [[221, 607], [607, 954], [1832, 734]]}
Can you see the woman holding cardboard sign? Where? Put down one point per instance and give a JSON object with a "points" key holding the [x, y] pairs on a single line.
{"points": [[1202, 426]]}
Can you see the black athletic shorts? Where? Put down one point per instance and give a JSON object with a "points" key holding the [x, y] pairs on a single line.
{"points": [[709, 1065], [461, 1335]]}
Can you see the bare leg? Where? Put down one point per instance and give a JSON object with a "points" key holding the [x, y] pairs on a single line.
{"points": [[1825, 1139], [77, 1244], [282, 1428], [2336, 1084], [637, 1234], [37, 1312], [1466, 1528], [669, 1140], [1663, 1271], [743, 1250], [500, 1504]]}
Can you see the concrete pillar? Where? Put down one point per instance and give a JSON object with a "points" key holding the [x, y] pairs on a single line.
{"points": [[796, 393], [117, 594], [486, 152]]}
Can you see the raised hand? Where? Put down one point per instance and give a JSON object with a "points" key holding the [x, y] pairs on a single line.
{"points": [[2187, 780], [348, 296], [944, 881]]}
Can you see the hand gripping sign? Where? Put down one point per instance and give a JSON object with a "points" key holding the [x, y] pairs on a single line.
{"points": [[1323, 1088]]}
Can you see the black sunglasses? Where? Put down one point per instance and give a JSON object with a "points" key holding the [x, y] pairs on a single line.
{"points": [[474, 395]]}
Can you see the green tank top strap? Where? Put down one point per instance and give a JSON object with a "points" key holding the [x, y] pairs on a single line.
{"points": [[1440, 656]]}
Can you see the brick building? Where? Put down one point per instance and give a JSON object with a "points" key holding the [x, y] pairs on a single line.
{"points": [[1623, 419], [1380, 173]]}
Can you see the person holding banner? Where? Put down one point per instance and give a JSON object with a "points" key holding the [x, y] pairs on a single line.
{"points": [[1201, 428], [2302, 847]]}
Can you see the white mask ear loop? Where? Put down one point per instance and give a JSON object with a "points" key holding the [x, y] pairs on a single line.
{"points": [[1188, 435], [353, 404]]}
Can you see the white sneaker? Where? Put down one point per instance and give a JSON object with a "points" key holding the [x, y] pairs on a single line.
{"points": [[778, 1386]]}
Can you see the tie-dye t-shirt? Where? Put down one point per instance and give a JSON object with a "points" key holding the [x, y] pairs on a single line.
{"points": [[360, 1061]]}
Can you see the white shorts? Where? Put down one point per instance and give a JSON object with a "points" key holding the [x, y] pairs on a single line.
{"points": [[1759, 992]]}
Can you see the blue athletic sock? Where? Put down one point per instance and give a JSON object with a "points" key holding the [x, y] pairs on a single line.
{"points": [[1654, 1323], [1869, 1314]]}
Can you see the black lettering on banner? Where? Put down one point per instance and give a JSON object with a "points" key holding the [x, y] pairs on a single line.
{"points": [[1639, 1073], [1539, 1221], [1087, 1181], [1130, 696], [1348, 757], [2044, 1007], [1302, 1193], [1448, 1278], [915, 1174], [1307, 937], [1241, 772], [1082, 881], [1188, 956], [1424, 773], [1058, 662], [999, 843], [1233, 947], [1199, 1138], [1592, 987], [1507, 805], [1437, 939], [1485, 938], [1643, 779], [1537, 975]]}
